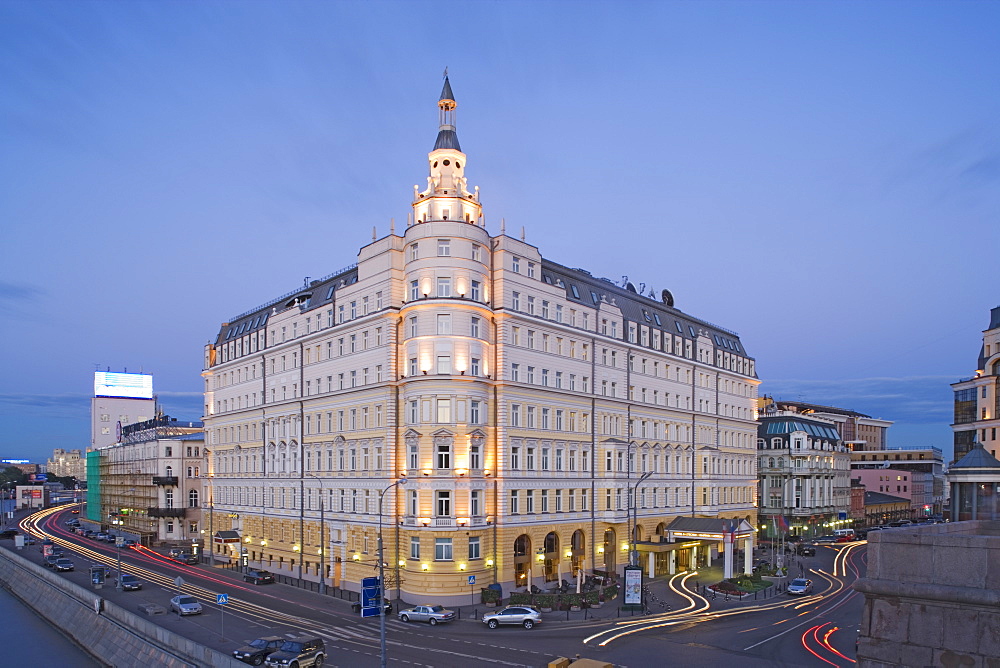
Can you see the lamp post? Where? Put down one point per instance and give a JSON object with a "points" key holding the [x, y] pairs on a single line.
{"points": [[635, 491], [322, 545], [381, 573]]}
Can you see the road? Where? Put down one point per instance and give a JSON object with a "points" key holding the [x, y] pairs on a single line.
{"points": [[814, 630]]}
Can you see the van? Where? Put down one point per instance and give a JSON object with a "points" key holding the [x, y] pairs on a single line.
{"points": [[843, 532]]}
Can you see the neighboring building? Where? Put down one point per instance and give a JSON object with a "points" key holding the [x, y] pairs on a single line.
{"points": [[880, 509], [975, 486], [857, 513], [21, 464], [932, 596], [977, 399], [520, 398], [119, 399], [857, 430], [67, 464], [804, 471], [32, 497], [914, 473], [150, 484]]}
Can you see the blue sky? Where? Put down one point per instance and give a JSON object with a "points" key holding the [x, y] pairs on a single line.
{"points": [[820, 177]]}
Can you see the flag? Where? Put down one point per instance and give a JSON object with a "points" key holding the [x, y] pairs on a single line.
{"points": [[782, 524]]}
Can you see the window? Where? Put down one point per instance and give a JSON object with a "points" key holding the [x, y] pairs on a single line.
{"points": [[414, 254], [193, 498], [477, 252], [442, 549], [474, 366], [516, 301], [413, 366], [414, 291], [413, 457], [444, 323], [474, 547], [442, 503], [515, 416], [515, 264], [443, 460], [515, 372], [473, 328], [444, 410], [444, 286], [514, 508], [515, 457], [476, 291], [475, 415], [413, 326], [414, 547], [531, 270], [444, 248], [444, 364]]}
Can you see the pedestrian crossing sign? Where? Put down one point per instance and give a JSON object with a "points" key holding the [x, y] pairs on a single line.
{"points": [[222, 599]]}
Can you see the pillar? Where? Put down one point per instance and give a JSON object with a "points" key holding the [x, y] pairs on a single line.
{"points": [[694, 557], [651, 565], [727, 559], [748, 555], [672, 562]]}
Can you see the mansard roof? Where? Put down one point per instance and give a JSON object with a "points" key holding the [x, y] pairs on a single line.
{"points": [[583, 287]]}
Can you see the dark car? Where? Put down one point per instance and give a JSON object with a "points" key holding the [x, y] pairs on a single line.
{"points": [[303, 651], [63, 564], [258, 577], [8, 533], [50, 561], [806, 550], [186, 558], [255, 651], [130, 583]]}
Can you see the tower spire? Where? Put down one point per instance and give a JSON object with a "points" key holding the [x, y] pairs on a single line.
{"points": [[447, 137]]}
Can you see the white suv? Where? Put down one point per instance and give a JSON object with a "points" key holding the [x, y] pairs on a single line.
{"points": [[521, 615]]}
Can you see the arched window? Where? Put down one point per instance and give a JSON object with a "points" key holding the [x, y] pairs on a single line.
{"points": [[170, 471], [193, 498]]}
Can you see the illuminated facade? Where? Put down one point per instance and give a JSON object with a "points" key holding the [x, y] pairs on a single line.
{"points": [[520, 399], [977, 399]]}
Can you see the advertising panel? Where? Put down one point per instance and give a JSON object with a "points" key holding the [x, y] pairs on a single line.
{"points": [[127, 385], [633, 585]]}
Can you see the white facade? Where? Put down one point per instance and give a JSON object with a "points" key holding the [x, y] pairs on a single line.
{"points": [[519, 398], [977, 399]]}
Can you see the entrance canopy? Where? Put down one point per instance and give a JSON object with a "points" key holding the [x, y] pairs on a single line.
{"points": [[227, 536], [707, 528]]}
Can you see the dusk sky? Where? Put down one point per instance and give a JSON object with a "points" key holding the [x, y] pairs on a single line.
{"points": [[820, 177]]}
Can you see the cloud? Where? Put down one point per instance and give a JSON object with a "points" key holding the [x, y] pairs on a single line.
{"points": [[912, 399]]}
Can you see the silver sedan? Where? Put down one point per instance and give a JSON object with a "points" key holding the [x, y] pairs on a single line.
{"points": [[433, 614]]}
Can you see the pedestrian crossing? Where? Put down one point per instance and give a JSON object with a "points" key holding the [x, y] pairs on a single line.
{"points": [[361, 632]]}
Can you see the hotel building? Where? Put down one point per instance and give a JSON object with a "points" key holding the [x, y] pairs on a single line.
{"points": [[977, 399], [522, 401]]}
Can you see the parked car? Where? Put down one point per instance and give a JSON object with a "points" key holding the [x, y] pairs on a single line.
{"points": [[800, 587], [101, 535], [8, 533], [185, 605], [303, 651], [356, 606], [432, 614], [130, 583], [845, 539], [255, 651], [63, 564], [513, 614], [186, 558], [258, 576], [826, 539]]}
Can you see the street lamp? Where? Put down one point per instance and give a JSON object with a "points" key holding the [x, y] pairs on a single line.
{"points": [[381, 572], [635, 503], [322, 545]]}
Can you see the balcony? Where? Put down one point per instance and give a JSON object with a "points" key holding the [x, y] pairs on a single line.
{"points": [[170, 480], [165, 512]]}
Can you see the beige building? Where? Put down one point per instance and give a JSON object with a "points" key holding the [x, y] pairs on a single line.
{"points": [[977, 399], [67, 464], [520, 399], [150, 483]]}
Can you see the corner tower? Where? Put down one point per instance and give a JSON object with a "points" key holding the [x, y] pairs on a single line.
{"points": [[447, 196]]}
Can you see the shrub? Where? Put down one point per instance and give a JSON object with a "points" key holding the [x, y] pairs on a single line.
{"points": [[545, 600], [490, 595], [520, 598]]}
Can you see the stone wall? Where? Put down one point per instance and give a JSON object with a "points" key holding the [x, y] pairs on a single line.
{"points": [[114, 636], [932, 597]]}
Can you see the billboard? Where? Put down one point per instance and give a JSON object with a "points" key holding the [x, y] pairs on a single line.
{"points": [[127, 385]]}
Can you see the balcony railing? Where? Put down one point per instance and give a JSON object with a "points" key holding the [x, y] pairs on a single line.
{"points": [[165, 512], [165, 480]]}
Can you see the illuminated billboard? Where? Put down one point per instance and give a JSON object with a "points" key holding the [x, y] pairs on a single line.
{"points": [[129, 385]]}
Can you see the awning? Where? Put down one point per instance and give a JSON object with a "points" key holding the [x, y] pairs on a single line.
{"points": [[227, 536]]}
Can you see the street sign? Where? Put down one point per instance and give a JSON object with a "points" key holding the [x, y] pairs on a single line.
{"points": [[371, 596], [472, 579], [222, 599]]}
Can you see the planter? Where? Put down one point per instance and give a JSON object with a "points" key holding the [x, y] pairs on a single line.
{"points": [[597, 605], [574, 608], [544, 609]]}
